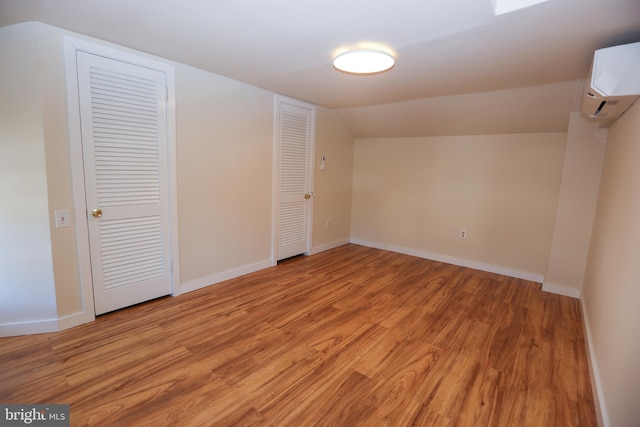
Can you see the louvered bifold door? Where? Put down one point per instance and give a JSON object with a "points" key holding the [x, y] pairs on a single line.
{"points": [[123, 125], [294, 198]]}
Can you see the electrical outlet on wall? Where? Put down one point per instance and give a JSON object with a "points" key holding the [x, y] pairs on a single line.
{"points": [[463, 233], [327, 223]]}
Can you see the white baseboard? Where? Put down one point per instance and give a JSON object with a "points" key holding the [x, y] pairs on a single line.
{"points": [[374, 245], [596, 382], [28, 328], [518, 274], [556, 288], [75, 319], [203, 282], [46, 325], [328, 246]]}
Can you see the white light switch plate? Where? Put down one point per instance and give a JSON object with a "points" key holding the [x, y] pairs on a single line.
{"points": [[62, 218]]}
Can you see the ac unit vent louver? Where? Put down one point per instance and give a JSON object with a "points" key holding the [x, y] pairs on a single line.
{"points": [[614, 83]]}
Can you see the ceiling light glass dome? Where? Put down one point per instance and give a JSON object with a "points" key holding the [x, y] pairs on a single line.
{"points": [[363, 61]]}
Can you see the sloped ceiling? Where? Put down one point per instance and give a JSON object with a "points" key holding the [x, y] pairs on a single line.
{"points": [[460, 69]]}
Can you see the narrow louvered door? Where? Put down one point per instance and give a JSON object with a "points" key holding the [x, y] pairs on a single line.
{"points": [[123, 125], [296, 133]]}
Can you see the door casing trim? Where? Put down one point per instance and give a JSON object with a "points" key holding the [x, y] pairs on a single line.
{"points": [[275, 188], [97, 47]]}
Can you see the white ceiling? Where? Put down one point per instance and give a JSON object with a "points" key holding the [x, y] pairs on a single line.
{"points": [[459, 70]]}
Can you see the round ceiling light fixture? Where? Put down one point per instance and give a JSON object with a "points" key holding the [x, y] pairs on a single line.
{"points": [[364, 61]]}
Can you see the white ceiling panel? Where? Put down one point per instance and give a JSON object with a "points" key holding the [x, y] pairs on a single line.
{"points": [[447, 51]]}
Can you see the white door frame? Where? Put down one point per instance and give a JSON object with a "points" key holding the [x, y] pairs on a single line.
{"points": [[71, 46], [275, 191]]}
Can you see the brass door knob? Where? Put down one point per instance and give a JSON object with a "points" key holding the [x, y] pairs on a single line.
{"points": [[97, 213], [307, 196]]}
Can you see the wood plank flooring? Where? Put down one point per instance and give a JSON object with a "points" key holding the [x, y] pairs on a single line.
{"points": [[350, 337]]}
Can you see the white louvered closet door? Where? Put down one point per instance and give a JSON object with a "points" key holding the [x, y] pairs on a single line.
{"points": [[296, 133], [124, 141]]}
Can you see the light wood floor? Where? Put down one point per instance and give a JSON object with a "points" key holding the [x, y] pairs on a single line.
{"points": [[350, 337]]}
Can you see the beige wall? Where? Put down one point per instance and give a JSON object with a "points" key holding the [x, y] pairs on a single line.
{"points": [[583, 158], [56, 138], [332, 186], [224, 145], [611, 291], [417, 193], [224, 131], [26, 267]]}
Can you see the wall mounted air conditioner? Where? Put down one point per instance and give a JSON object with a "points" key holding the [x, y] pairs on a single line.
{"points": [[614, 83]]}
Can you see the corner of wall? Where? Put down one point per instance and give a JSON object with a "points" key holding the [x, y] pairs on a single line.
{"points": [[560, 289], [576, 207], [328, 246], [596, 382]]}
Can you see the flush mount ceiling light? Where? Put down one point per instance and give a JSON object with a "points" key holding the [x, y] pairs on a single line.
{"points": [[363, 61]]}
